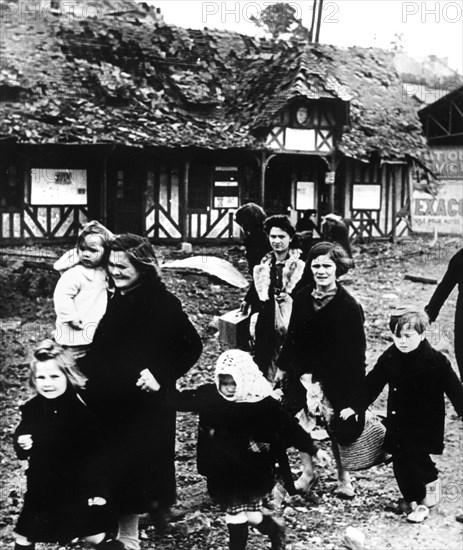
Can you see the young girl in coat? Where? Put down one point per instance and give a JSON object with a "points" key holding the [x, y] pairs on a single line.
{"points": [[243, 431], [67, 491], [80, 296], [418, 377]]}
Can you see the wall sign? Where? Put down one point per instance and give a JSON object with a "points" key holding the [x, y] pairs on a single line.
{"points": [[443, 213], [305, 195], [58, 186], [366, 197]]}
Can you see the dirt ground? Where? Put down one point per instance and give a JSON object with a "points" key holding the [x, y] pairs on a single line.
{"points": [[316, 522]]}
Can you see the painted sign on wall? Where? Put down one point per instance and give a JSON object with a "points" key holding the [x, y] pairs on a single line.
{"points": [[444, 211], [58, 186]]}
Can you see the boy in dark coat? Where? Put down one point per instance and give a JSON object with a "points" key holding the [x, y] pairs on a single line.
{"points": [[243, 431], [418, 377]]}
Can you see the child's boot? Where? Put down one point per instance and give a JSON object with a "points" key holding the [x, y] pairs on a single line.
{"points": [[275, 529], [238, 533]]}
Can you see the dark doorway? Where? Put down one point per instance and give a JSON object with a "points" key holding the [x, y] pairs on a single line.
{"points": [[278, 187], [125, 200]]}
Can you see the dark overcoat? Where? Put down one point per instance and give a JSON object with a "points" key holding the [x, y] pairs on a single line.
{"points": [[453, 276], [417, 383], [145, 328], [328, 343], [235, 469], [67, 466]]}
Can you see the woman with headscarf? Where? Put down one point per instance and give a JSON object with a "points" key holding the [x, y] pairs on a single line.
{"points": [[143, 344], [323, 357]]}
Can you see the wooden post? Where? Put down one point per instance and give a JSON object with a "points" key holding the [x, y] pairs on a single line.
{"points": [[394, 206], [104, 190], [184, 202], [263, 168]]}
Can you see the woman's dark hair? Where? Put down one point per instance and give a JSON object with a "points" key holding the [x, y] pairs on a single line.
{"points": [[250, 216], [280, 221], [140, 252], [335, 252]]}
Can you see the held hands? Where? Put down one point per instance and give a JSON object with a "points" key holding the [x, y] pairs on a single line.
{"points": [[25, 442], [96, 501], [346, 413], [323, 458], [147, 382], [282, 297], [76, 324], [279, 376]]}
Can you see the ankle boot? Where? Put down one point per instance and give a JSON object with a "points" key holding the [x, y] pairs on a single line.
{"points": [[275, 529], [22, 547], [238, 533]]}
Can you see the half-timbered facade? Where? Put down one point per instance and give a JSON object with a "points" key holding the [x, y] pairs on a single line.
{"points": [[165, 131]]}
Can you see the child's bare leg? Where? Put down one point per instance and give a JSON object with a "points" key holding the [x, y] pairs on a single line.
{"points": [[237, 530], [254, 518], [307, 478], [345, 487], [128, 531]]}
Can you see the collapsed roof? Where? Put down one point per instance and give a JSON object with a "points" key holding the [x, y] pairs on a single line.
{"points": [[124, 77]]}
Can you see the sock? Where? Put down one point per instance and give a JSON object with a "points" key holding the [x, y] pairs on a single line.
{"points": [[238, 533]]}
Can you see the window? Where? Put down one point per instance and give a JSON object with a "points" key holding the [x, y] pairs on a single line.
{"points": [[226, 187], [366, 191], [199, 186], [9, 189], [58, 186]]}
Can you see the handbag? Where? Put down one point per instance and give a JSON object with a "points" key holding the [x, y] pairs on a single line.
{"points": [[283, 308], [367, 450]]}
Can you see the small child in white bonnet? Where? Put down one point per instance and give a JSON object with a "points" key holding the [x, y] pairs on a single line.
{"points": [[243, 432]]}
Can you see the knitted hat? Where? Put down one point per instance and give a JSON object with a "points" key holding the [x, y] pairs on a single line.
{"points": [[251, 386]]}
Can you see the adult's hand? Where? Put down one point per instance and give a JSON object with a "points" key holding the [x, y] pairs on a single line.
{"points": [[346, 413], [244, 307], [147, 382], [25, 441], [279, 376]]}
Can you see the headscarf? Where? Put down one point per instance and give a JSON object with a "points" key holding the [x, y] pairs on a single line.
{"points": [[251, 385]]}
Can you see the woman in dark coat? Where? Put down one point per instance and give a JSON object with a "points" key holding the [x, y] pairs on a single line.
{"points": [[275, 279], [143, 344], [452, 277], [326, 339], [250, 217], [335, 231]]}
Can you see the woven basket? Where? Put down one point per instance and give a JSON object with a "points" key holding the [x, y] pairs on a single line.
{"points": [[367, 450]]}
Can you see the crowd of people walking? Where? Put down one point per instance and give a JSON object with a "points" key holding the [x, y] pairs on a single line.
{"points": [[100, 432]]}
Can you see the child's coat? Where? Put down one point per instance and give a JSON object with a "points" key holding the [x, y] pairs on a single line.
{"points": [[67, 466], [81, 293], [417, 384]]}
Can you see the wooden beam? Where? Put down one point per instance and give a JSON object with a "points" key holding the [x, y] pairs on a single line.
{"points": [[183, 221]]}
